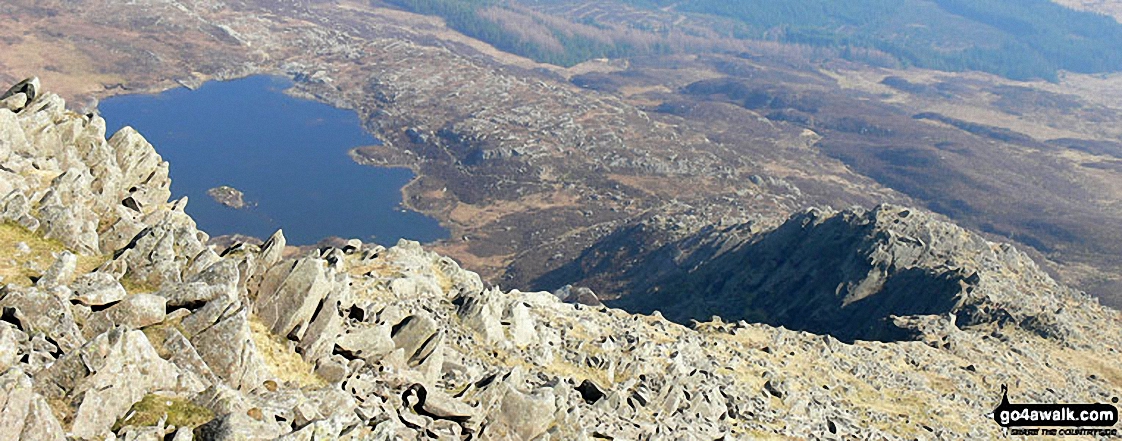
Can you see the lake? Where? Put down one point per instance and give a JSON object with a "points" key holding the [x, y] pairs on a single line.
{"points": [[288, 155]]}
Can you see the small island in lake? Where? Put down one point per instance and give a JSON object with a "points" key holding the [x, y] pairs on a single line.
{"points": [[228, 196]]}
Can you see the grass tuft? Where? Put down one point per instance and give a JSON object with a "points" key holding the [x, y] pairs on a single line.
{"points": [[180, 413], [19, 268], [283, 362]]}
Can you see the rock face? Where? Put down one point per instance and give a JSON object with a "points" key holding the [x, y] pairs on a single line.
{"points": [[170, 339]]}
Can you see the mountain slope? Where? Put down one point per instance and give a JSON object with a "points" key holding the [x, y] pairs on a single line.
{"points": [[168, 336], [1016, 39], [858, 274], [527, 169]]}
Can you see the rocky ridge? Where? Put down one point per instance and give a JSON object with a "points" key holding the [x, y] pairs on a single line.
{"points": [[167, 337], [885, 265]]}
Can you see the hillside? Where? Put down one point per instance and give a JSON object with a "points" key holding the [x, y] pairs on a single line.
{"points": [[1016, 39], [528, 164], [119, 320]]}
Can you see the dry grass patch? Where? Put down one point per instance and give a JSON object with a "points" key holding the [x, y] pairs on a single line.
{"points": [[134, 286], [283, 362], [376, 267], [19, 267], [488, 267], [177, 411], [66, 68], [494, 211]]}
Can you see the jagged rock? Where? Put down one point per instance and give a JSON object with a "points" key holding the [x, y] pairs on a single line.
{"points": [[178, 350], [150, 433], [273, 249], [332, 369], [335, 258], [140, 164], [18, 96], [97, 289], [9, 346], [24, 414], [482, 312], [462, 282], [326, 325], [106, 377], [12, 139], [60, 273], [577, 294], [522, 331], [28, 87], [409, 287], [222, 399], [16, 208], [135, 311], [15, 205], [370, 342], [217, 281], [161, 252], [44, 312], [15, 102], [73, 225], [326, 403], [518, 416], [183, 434], [290, 294], [352, 246], [119, 234], [439, 405], [220, 333], [414, 336], [239, 427]]}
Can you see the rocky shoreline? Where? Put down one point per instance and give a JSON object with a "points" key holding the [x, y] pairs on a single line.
{"points": [[168, 337]]}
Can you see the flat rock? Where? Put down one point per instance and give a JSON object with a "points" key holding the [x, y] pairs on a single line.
{"points": [[369, 342], [135, 311], [97, 289]]}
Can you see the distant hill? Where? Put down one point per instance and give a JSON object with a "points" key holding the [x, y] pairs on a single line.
{"points": [[1020, 39]]}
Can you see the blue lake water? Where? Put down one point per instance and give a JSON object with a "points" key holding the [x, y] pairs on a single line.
{"points": [[288, 155]]}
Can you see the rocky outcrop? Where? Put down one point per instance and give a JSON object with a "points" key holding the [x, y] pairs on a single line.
{"points": [[106, 377], [170, 338], [228, 196], [854, 274]]}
